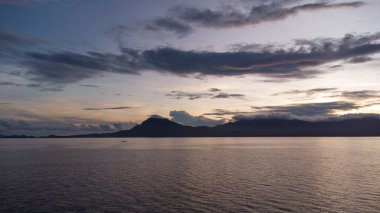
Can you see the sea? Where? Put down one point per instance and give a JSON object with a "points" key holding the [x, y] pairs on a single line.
{"points": [[303, 174]]}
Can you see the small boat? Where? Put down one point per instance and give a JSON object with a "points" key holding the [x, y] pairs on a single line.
{"points": [[123, 141]]}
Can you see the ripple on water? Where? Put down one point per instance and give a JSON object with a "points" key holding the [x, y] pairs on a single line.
{"points": [[191, 174]]}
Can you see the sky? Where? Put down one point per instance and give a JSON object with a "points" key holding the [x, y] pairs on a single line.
{"points": [[80, 66]]}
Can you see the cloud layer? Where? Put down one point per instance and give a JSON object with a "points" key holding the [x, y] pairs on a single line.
{"points": [[305, 111], [213, 93], [109, 108], [59, 127], [361, 95], [299, 61], [185, 118], [183, 20], [308, 109], [358, 95]]}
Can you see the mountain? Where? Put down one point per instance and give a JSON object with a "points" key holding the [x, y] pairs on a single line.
{"points": [[158, 127], [162, 127], [284, 127], [263, 127]]}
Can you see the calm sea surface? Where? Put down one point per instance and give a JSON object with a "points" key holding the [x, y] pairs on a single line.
{"points": [[190, 175]]}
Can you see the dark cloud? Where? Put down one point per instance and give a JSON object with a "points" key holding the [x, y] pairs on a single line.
{"points": [[182, 19], [68, 67], [300, 61], [308, 109], [214, 90], [53, 89], [361, 95], [8, 39], [8, 83], [185, 118], [170, 25], [13, 45], [276, 64], [223, 112], [189, 95], [109, 108], [121, 107], [359, 59], [88, 85], [227, 95], [335, 66]]}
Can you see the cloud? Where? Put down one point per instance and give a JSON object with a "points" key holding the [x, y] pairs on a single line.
{"points": [[88, 85], [41, 87], [296, 62], [53, 89], [304, 111], [109, 108], [14, 45], [15, 120], [299, 61], [227, 95], [119, 32], [213, 93], [170, 25], [359, 59], [223, 112], [214, 90], [361, 95], [308, 109], [308, 92], [185, 118], [59, 127], [191, 96], [8, 83], [68, 67], [181, 20], [9, 38], [275, 64], [334, 92]]}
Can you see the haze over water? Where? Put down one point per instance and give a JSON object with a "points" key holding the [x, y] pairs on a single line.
{"points": [[190, 174]]}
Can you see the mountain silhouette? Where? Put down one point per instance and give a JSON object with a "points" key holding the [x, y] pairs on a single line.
{"points": [[162, 127], [265, 127]]}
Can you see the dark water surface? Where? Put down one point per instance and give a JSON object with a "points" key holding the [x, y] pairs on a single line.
{"points": [[190, 175]]}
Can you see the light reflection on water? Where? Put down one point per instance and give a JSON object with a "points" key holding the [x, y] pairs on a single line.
{"points": [[198, 174]]}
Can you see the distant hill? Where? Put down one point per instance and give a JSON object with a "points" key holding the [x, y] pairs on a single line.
{"points": [[162, 127]]}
